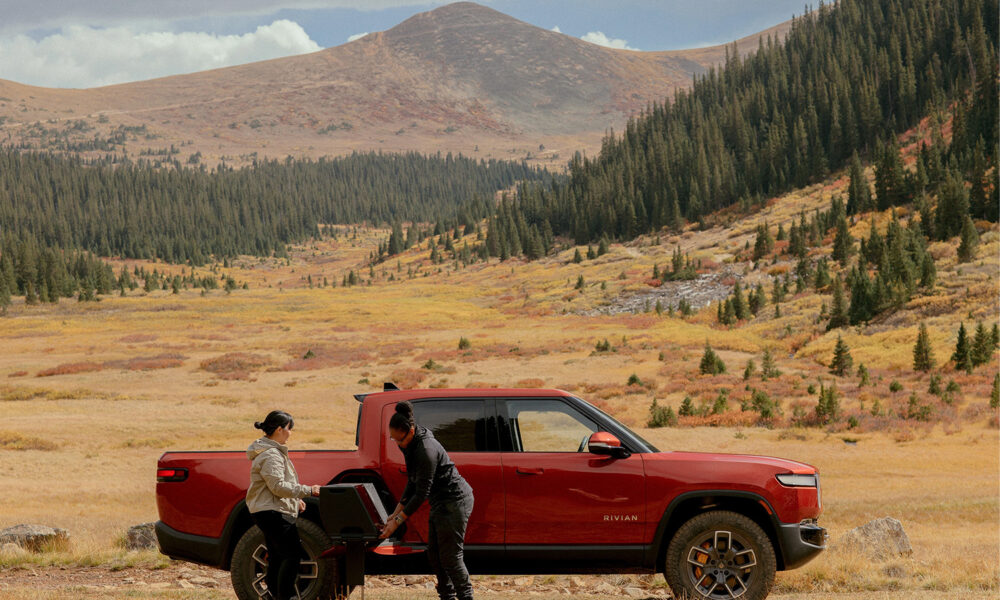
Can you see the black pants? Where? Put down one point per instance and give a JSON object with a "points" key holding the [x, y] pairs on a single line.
{"points": [[284, 552], [446, 547]]}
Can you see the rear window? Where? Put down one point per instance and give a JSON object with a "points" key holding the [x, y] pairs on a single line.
{"points": [[460, 425]]}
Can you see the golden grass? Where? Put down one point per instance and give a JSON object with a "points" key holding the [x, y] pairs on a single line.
{"points": [[188, 371]]}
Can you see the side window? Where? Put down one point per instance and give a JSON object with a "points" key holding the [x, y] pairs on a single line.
{"points": [[547, 426], [460, 425]]}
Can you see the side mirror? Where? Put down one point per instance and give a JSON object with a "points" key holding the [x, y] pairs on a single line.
{"points": [[606, 444]]}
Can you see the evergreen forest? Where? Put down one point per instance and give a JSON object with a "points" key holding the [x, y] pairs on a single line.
{"points": [[845, 82], [192, 215]]}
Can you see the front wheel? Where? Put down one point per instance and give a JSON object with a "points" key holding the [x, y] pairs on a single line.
{"points": [[720, 555], [316, 578]]}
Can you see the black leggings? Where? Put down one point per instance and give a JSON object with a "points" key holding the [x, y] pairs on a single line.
{"points": [[284, 552], [446, 546]]}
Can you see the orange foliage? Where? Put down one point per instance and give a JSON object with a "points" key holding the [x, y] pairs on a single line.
{"points": [[70, 369], [234, 363], [408, 379]]}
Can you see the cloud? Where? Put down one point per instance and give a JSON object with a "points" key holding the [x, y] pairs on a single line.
{"points": [[357, 36], [597, 37], [556, 29], [86, 57]]}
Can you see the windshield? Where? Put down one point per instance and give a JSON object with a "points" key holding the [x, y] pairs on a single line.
{"points": [[635, 437]]}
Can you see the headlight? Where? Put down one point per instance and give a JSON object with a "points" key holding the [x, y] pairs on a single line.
{"points": [[796, 480]]}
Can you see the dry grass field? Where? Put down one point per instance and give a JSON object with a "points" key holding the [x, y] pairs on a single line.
{"points": [[92, 393]]}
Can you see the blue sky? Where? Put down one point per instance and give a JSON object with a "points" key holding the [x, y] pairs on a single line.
{"points": [[68, 43]]}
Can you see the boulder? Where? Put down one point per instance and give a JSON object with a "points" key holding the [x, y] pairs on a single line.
{"points": [[881, 539], [36, 538], [141, 537]]}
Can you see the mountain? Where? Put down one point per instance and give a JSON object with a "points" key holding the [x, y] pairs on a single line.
{"points": [[461, 78]]}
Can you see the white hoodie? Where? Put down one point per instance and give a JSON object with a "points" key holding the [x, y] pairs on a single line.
{"points": [[274, 484]]}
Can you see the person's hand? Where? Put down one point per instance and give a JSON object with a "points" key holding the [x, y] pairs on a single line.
{"points": [[302, 505], [388, 529], [315, 490]]}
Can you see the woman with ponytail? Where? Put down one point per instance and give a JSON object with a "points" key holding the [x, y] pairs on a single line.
{"points": [[275, 500], [431, 475]]}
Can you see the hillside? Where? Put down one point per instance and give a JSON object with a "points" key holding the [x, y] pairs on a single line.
{"points": [[461, 78]]}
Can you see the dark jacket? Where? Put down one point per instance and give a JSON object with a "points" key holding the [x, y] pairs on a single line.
{"points": [[430, 474]]}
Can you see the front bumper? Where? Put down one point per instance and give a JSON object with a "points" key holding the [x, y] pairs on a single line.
{"points": [[800, 542]]}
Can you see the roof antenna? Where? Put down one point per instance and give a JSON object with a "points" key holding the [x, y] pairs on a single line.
{"points": [[389, 386]]}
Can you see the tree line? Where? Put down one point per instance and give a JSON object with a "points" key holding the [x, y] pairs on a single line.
{"points": [[194, 215]]}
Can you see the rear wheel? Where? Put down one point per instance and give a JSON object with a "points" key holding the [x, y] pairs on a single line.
{"points": [[317, 576], [720, 555]]}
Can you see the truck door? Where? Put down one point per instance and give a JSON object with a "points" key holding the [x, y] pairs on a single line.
{"points": [[467, 430], [557, 492]]}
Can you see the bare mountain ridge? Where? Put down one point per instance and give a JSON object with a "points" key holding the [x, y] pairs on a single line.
{"points": [[461, 78]]}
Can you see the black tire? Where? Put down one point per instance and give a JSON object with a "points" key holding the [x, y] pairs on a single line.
{"points": [[317, 577], [720, 555]]}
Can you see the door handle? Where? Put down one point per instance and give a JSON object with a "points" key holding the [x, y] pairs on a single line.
{"points": [[529, 471]]}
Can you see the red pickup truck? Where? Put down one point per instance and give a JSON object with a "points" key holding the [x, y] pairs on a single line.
{"points": [[560, 487]]}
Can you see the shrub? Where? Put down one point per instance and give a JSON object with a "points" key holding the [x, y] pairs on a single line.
{"points": [[464, 343], [763, 405], [687, 407], [895, 386], [70, 369], [234, 362], [661, 416], [934, 387], [633, 379], [603, 346]]}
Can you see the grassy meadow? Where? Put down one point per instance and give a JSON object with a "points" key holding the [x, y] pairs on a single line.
{"points": [[92, 393]]}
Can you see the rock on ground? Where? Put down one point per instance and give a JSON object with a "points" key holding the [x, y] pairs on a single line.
{"points": [[881, 539], [36, 538], [141, 537]]}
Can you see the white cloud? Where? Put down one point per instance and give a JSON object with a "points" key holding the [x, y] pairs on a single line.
{"points": [[86, 57], [357, 36], [597, 37], [556, 29]]}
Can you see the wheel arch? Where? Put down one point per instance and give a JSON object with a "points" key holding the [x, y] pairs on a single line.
{"points": [[691, 504]]}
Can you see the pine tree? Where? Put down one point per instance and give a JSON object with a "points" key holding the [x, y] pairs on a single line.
{"points": [[687, 407], [842, 361], [962, 357], [982, 346], [970, 239], [859, 195], [843, 243], [742, 312], [750, 370], [923, 356], [711, 364], [995, 392], [828, 403], [838, 312], [4, 296], [768, 370]]}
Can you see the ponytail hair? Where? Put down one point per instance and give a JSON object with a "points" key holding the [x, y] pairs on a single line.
{"points": [[274, 420], [402, 419]]}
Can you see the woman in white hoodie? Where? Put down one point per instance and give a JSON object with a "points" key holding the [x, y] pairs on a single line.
{"points": [[275, 500]]}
